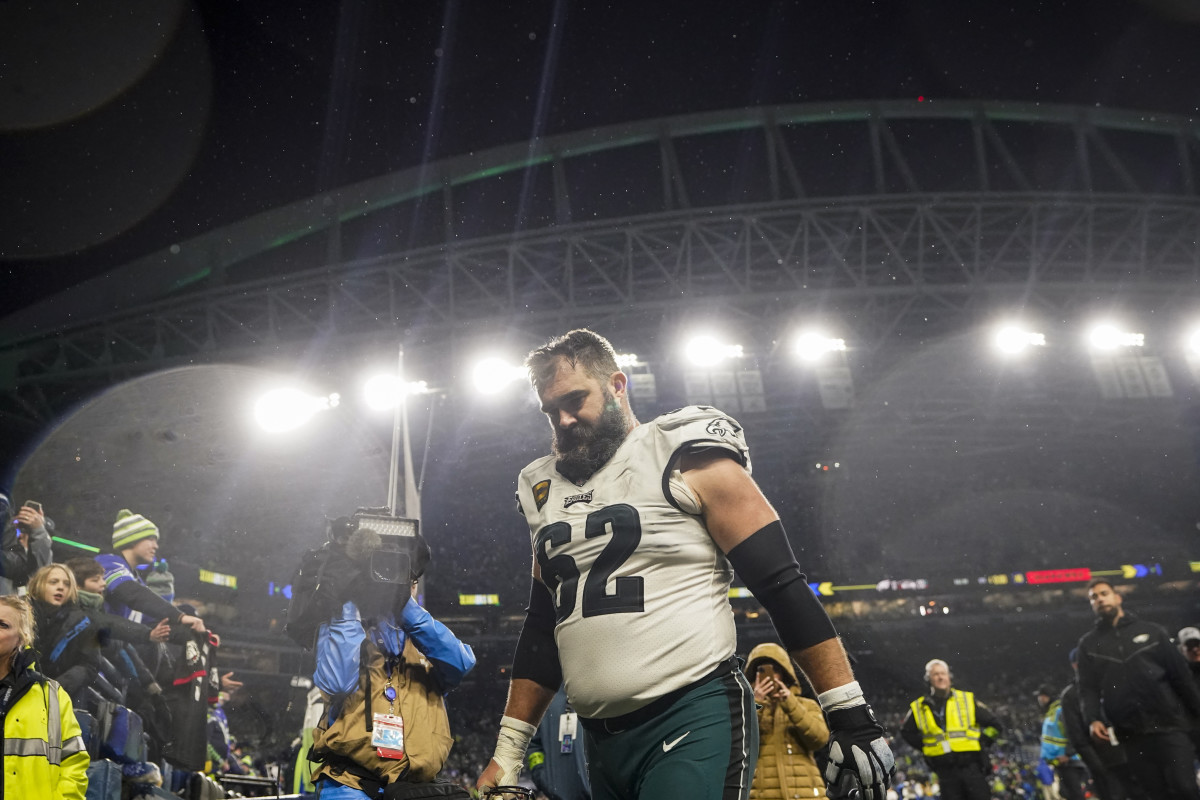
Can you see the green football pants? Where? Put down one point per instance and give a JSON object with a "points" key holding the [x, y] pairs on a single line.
{"points": [[704, 747]]}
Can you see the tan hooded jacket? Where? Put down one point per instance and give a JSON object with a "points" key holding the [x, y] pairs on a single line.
{"points": [[420, 704], [789, 733]]}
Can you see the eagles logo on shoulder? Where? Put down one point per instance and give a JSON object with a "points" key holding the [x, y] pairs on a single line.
{"points": [[541, 493], [722, 426]]}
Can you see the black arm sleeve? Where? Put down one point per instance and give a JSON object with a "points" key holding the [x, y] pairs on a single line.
{"points": [[136, 596], [765, 561], [536, 658]]}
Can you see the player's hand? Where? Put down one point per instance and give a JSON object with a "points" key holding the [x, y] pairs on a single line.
{"points": [[857, 762], [161, 631], [491, 777], [1100, 732]]}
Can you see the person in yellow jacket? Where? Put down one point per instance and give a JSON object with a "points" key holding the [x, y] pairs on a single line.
{"points": [[790, 729], [952, 730], [44, 754]]}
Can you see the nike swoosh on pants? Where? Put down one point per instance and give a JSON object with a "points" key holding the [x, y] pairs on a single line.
{"points": [[668, 745]]}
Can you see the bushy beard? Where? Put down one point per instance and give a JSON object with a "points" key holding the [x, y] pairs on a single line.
{"points": [[582, 449]]}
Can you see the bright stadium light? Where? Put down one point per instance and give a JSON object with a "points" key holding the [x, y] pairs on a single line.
{"points": [[1193, 342], [287, 409], [384, 391], [812, 346], [493, 375], [628, 360], [1012, 340], [1108, 337], [706, 351]]}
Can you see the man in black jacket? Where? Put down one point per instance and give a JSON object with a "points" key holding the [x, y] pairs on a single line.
{"points": [[1136, 686], [1107, 763]]}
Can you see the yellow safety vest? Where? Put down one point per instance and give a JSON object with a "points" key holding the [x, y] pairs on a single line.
{"points": [[44, 753], [961, 734]]}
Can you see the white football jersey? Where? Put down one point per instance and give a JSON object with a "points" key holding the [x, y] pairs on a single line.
{"points": [[640, 588]]}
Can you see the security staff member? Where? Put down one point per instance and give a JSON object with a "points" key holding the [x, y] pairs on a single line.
{"points": [[951, 730]]}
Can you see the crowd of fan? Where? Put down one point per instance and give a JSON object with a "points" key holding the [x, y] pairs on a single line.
{"points": [[139, 670]]}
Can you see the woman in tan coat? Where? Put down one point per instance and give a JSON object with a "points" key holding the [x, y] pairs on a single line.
{"points": [[791, 728]]}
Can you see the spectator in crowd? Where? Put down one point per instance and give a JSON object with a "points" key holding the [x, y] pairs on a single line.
{"points": [[69, 637], [556, 758], [1189, 645], [135, 542], [89, 581], [302, 766], [791, 728], [1107, 763], [44, 753], [1057, 751], [1136, 686], [160, 579], [384, 672], [24, 543], [103, 642], [194, 685], [952, 730], [220, 739]]}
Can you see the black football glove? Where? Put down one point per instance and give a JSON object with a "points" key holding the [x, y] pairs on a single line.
{"points": [[857, 763]]}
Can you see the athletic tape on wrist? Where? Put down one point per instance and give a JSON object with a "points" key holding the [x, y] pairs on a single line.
{"points": [[841, 697], [510, 747]]}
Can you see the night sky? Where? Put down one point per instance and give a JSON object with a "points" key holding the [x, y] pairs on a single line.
{"points": [[125, 127]]}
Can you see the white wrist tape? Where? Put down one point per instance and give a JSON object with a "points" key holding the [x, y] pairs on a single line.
{"points": [[510, 748], [847, 696]]}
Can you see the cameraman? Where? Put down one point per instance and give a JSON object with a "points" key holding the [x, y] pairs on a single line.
{"points": [[383, 664], [24, 544]]}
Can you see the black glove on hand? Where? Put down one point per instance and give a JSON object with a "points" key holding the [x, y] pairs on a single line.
{"points": [[857, 762]]}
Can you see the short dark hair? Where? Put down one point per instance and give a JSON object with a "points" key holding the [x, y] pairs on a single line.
{"points": [[1094, 582], [84, 568], [580, 348]]}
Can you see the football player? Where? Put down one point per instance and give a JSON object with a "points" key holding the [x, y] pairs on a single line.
{"points": [[637, 530]]}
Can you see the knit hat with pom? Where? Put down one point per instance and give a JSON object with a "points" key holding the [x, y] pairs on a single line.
{"points": [[131, 528]]}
